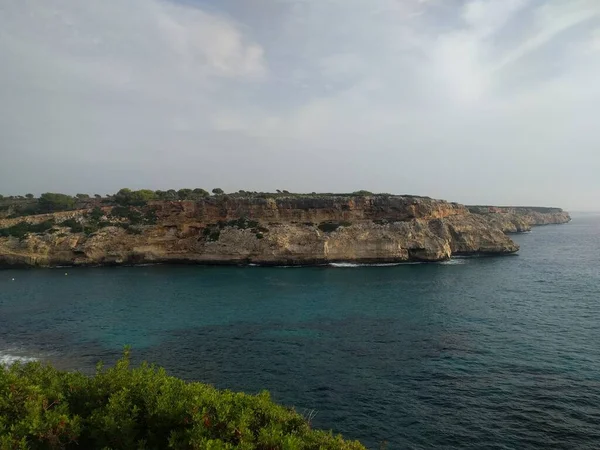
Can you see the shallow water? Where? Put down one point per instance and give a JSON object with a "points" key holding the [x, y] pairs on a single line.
{"points": [[482, 353]]}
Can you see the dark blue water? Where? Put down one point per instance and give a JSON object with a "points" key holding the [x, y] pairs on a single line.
{"points": [[483, 353]]}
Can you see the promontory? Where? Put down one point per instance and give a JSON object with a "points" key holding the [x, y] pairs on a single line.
{"points": [[140, 227]]}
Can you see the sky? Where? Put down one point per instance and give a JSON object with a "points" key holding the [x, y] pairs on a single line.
{"points": [[475, 101]]}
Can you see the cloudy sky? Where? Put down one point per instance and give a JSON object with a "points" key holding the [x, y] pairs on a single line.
{"points": [[476, 101]]}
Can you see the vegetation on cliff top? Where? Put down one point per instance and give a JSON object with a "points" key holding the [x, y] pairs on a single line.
{"points": [[143, 408], [19, 206]]}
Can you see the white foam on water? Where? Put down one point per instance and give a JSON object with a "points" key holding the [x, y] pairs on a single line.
{"points": [[11, 356], [454, 261], [345, 265]]}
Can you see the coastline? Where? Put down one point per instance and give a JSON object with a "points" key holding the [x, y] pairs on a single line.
{"points": [[281, 231]]}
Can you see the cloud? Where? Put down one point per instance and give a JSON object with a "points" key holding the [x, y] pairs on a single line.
{"points": [[111, 84], [476, 101], [594, 42], [550, 20]]}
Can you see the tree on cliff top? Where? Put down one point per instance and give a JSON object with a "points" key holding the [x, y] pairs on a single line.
{"points": [[184, 194], [218, 191], [127, 197], [200, 193], [51, 202], [188, 194]]}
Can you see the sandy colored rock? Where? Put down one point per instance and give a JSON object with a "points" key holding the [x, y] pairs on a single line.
{"points": [[371, 229]]}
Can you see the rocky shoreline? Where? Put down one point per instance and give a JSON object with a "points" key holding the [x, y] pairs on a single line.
{"points": [[294, 230]]}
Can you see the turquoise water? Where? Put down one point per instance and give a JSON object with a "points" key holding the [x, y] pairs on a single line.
{"points": [[481, 353]]}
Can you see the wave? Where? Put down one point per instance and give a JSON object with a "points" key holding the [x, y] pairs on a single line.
{"points": [[9, 357], [450, 262], [454, 261], [352, 265]]}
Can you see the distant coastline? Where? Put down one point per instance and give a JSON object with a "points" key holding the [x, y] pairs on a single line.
{"points": [[252, 228]]}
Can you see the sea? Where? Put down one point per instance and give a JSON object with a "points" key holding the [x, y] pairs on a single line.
{"points": [[473, 353]]}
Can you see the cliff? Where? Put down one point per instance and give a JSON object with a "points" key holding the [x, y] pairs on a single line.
{"points": [[516, 219], [279, 230]]}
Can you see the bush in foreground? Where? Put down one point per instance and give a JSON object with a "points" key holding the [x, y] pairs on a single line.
{"points": [[143, 408]]}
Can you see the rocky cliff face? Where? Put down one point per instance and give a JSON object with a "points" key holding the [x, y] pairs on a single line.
{"points": [[520, 219], [292, 230]]}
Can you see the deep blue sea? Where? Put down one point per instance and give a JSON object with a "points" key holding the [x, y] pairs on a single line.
{"points": [[479, 353]]}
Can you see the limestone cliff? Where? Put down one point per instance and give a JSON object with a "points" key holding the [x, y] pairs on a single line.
{"points": [[514, 219], [280, 230]]}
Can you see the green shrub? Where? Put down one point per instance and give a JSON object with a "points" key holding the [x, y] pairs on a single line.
{"points": [[184, 194], [134, 216], [150, 217], [73, 224], [211, 234], [200, 193], [126, 197], [127, 212], [52, 202], [143, 408], [96, 214], [21, 229]]}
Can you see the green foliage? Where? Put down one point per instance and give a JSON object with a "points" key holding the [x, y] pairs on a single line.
{"points": [[212, 234], [188, 194], [134, 216], [143, 408], [21, 229], [125, 212], [169, 195], [29, 196], [243, 223], [96, 214], [362, 193], [218, 191], [127, 197], [200, 193], [150, 217], [82, 196], [184, 194], [52, 202], [74, 225]]}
